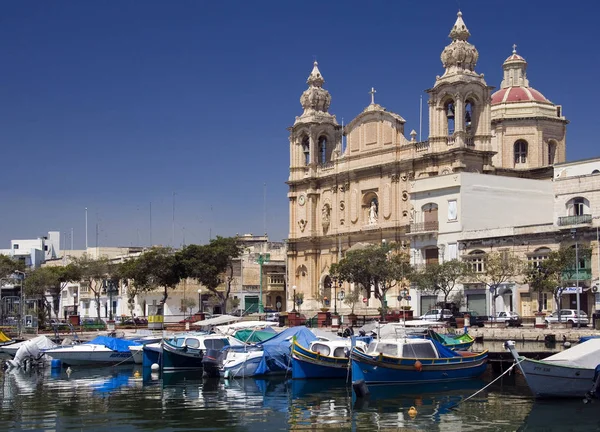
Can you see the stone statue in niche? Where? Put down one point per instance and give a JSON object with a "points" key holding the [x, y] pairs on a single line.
{"points": [[325, 216], [373, 213]]}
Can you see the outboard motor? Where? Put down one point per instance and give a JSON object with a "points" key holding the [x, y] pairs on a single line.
{"points": [[27, 355], [213, 361], [348, 331]]}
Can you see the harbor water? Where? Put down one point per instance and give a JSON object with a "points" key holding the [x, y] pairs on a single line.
{"points": [[130, 399]]}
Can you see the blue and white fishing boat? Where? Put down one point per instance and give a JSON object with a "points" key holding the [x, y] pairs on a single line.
{"points": [[414, 361], [271, 357], [186, 351], [323, 358]]}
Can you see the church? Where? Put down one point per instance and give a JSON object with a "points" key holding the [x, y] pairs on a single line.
{"points": [[355, 184]]}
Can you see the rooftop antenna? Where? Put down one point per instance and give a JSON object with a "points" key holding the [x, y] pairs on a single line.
{"points": [[86, 230], [420, 117], [150, 223], [265, 207], [173, 224]]}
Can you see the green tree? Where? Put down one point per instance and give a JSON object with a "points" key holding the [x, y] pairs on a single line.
{"points": [[440, 278], [351, 298], [212, 265], [498, 268], [9, 265], [49, 282], [187, 304], [94, 273], [551, 275], [374, 267], [158, 267]]}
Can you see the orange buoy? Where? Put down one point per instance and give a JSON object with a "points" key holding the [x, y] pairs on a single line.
{"points": [[412, 412], [418, 366]]}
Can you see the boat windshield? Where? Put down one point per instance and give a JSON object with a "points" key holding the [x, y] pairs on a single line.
{"points": [[390, 349], [216, 344], [321, 349], [420, 350]]}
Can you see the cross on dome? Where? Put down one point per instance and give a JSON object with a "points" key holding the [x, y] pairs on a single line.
{"points": [[372, 93], [514, 48]]}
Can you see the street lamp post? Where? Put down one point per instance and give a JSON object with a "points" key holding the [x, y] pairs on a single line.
{"points": [[21, 302], [262, 258], [574, 232], [294, 299]]}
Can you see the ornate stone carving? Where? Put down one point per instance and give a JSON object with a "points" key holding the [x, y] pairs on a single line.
{"points": [[302, 224], [460, 54], [395, 178], [344, 187]]}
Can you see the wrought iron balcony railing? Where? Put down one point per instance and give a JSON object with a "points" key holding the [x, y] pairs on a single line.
{"points": [[575, 220]]}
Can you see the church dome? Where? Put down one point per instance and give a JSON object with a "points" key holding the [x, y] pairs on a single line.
{"points": [[518, 94], [515, 85]]}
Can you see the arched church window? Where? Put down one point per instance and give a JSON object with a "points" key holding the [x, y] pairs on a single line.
{"points": [[551, 152], [306, 150], [468, 115], [450, 109], [322, 150], [520, 152]]}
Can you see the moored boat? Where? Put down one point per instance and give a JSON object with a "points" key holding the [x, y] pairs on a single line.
{"points": [[569, 373], [458, 342], [186, 351], [323, 358], [102, 350], [414, 360]]}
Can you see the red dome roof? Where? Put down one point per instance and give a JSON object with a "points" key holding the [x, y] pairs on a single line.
{"points": [[515, 57], [518, 94]]}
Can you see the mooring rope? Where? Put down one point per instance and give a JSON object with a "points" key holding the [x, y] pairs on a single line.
{"points": [[489, 384]]}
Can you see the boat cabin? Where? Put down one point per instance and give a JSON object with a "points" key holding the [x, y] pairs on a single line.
{"points": [[405, 348], [200, 342], [339, 348]]}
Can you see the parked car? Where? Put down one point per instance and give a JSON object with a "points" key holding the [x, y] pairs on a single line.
{"points": [[475, 319], [272, 317], [513, 318], [569, 316], [437, 315]]}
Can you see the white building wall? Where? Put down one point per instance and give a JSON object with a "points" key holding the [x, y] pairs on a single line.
{"points": [[495, 202], [576, 168]]}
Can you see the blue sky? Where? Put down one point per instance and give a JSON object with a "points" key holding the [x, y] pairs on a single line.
{"points": [[113, 105]]}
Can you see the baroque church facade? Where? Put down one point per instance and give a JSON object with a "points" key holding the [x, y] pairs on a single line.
{"points": [[350, 185]]}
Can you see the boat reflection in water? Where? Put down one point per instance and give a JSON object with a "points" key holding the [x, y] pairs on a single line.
{"points": [[554, 415]]}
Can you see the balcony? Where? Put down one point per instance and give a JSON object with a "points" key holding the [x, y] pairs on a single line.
{"points": [[574, 220], [422, 227], [582, 274]]}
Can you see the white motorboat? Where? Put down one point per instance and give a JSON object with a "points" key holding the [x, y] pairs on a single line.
{"points": [[101, 351], [42, 342], [569, 373]]}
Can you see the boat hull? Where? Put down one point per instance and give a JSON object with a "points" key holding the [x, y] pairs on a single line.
{"points": [[555, 381], [242, 366], [151, 354], [81, 355], [307, 364], [382, 370], [178, 359]]}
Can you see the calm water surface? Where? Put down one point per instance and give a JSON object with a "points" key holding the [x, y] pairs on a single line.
{"points": [[117, 399]]}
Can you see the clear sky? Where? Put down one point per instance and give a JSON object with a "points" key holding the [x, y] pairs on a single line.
{"points": [[113, 105]]}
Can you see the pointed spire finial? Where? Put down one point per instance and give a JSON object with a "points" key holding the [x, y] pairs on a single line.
{"points": [[372, 93], [514, 48], [315, 78], [460, 30]]}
